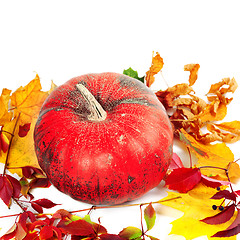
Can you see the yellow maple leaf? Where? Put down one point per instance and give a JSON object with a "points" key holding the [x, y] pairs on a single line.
{"points": [[195, 205], [26, 103], [21, 152], [217, 155], [5, 115], [157, 65], [28, 100]]}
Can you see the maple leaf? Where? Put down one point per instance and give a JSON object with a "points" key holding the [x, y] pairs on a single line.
{"points": [[22, 152], [28, 100], [26, 103], [196, 205], [5, 115], [157, 65], [217, 155]]}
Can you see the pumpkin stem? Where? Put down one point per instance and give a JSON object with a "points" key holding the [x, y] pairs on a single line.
{"points": [[97, 114]]}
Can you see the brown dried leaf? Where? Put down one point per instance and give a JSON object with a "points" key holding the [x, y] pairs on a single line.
{"points": [[165, 98], [214, 111], [226, 132], [232, 86], [179, 89], [193, 68], [157, 65]]}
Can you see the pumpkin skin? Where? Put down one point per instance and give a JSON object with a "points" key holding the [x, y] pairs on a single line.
{"points": [[109, 161]]}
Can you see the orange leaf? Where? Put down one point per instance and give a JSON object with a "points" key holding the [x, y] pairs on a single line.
{"points": [[193, 68], [157, 65], [217, 155]]}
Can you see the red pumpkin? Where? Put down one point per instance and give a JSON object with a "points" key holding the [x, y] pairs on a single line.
{"points": [[103, 138]]}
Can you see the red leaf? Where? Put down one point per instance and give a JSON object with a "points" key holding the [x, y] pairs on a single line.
{"points": [[110, 237], [46, 232], [29, 172], [79, 228], [40, 182], [6, 190], [8, 236], [36, 224], [23, 220], [229, 232], [224, 194], [211, 182], [57, 232], [221, 217], [237, 192], [62, 213], [183, 179], [23, 130], [16, 186], [176, 162], [3, 144], [37, 207], [31, 236], [45, 203]]}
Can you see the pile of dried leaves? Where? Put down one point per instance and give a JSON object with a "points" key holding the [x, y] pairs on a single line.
{"points": [[203, 192]]}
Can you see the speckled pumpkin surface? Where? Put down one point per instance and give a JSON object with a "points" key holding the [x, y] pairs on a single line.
{"points": [[103, 138]]}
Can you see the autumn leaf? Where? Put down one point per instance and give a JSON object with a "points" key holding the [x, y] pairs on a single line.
{"points": [[231, 83], [176, 162], [218, 155], [26, 103], [79, 227], [4, 142], [222, 216], [130, 233], [193, 68], [226, 132], [195, 205], [150, 216], [22, 152], [183, 179], [157, 65], [28, 100], [5, 114]]}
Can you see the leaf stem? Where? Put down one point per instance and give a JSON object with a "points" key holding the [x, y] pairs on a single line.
{"points": [[10, 143], [143, 233], [224, 169], [125, 205]]}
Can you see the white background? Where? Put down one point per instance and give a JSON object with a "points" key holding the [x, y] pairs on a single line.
{"points": [[63, 39]]}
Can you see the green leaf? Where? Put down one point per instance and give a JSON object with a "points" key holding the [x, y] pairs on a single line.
{"points": [[75, 218], [149, 216], [134, 74], [131, 233]]}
